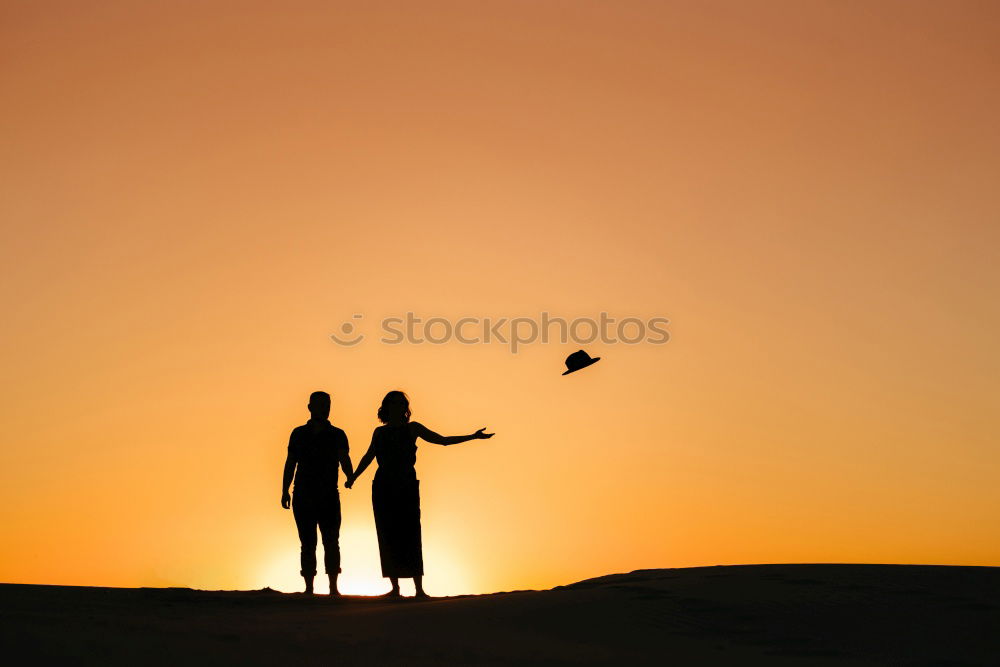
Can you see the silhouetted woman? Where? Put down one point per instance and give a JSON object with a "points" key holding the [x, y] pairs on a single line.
{"points": [[395, 491]]}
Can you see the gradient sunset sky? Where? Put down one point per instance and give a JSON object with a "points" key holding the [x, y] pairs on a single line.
{"points": [[195, 194]]}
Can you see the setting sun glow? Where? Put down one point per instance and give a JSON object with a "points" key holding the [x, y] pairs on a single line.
{"points": [[360, 564]]}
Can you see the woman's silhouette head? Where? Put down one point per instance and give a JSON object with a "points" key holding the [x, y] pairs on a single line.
{"points": [[395, 408]]}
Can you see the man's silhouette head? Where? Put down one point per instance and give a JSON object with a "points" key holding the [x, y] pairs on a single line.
{"points": [[319, 405]]}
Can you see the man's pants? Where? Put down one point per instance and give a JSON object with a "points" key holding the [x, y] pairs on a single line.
{"points": [[324, 512]]}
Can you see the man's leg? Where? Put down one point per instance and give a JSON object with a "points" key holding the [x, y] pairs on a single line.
{"points": [[329, 528], [305, 522]]}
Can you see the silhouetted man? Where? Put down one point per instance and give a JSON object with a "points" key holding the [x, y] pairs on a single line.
{"points": [[315, 450]]}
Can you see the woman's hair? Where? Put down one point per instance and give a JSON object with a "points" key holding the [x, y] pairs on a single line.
{"points": [[394, 401]]}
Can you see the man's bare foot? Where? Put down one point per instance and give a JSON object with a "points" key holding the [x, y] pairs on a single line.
{"points": [[420, 595]]}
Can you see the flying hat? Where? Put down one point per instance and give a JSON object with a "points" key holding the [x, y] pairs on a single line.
{"points": [[578, 360]]}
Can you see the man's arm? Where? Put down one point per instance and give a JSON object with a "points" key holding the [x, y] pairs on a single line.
{"points": [[345, 459], [286, 478]]}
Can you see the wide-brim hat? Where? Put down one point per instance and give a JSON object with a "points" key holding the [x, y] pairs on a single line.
{"points": [[579, 360]]}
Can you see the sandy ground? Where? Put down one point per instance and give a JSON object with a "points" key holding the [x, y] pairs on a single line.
{"points": [[738, 615]]}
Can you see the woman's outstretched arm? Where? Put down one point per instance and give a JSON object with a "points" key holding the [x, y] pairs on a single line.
{"points": [[422, 431], [365, 461]]}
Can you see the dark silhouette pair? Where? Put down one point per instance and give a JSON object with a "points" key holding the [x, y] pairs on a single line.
{"points": [[316, 452]]}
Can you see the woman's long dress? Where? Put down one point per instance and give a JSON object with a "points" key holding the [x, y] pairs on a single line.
{"points": [[396, 501]]}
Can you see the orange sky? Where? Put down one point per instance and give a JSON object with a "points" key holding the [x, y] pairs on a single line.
{"points": [[195, 194]]}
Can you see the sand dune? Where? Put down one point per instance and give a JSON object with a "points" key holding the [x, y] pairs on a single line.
{"points": [[738, 615]]}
